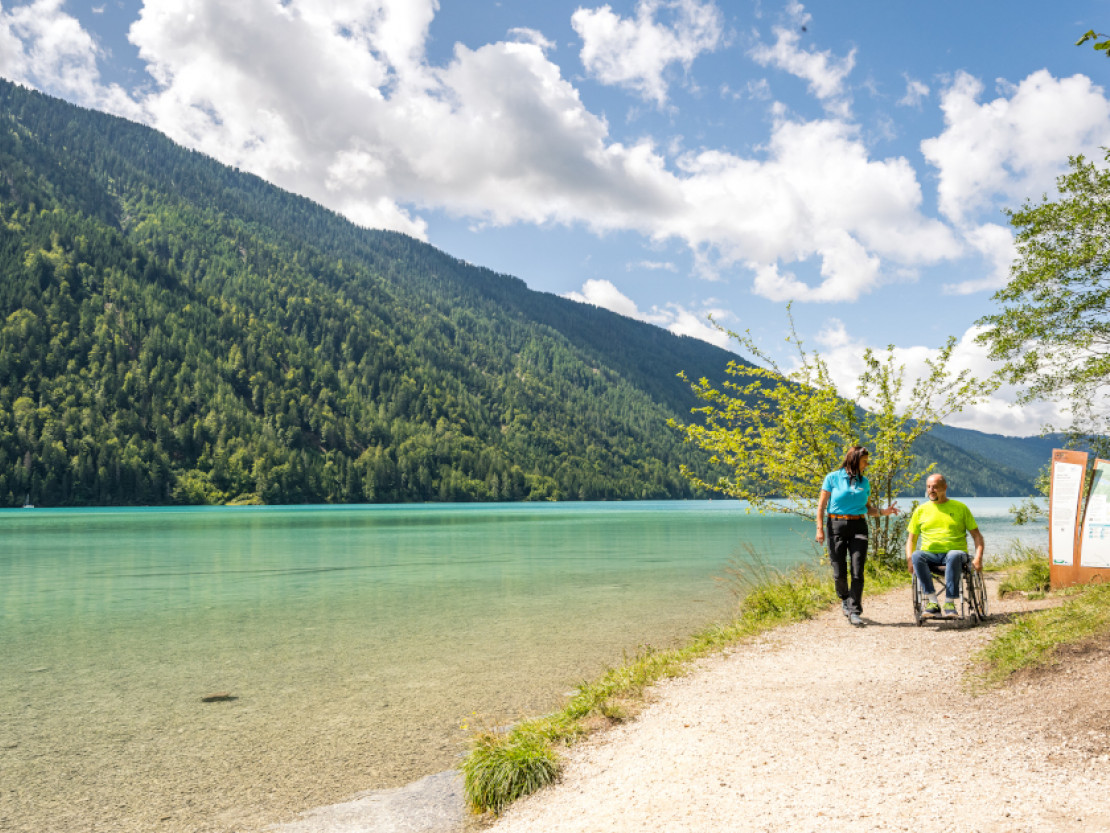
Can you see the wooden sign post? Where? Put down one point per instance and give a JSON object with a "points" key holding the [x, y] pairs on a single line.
{"points": [[1065, 497]]}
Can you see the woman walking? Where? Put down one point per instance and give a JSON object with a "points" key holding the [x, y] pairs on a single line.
{"points": [[846, 494]]}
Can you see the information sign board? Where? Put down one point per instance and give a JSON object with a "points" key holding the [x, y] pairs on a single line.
{"points": [[1094, 543], [1066, 491]]}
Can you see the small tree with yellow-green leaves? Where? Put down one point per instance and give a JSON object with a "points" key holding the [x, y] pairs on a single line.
{"points": [[780, 432]]}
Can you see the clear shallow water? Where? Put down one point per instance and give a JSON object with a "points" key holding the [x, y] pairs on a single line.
{"points": [[355, 640]]}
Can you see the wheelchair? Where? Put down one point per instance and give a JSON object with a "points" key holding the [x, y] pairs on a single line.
{"points": [[973, 603]]}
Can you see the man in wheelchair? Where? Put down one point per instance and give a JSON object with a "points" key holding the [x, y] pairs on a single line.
{"points": [[943, 526]]}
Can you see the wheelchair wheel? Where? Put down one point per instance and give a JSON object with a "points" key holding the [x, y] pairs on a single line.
{"points": [[918, 602], [977, 594]]}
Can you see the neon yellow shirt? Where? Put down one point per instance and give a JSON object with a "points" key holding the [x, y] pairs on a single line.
{"points": [[942, 526]]}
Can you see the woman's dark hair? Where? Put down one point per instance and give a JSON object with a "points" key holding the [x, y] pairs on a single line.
{"points": [[852, 460]]}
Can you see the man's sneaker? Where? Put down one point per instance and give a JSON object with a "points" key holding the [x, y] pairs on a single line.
{"points": [[853, 619], [949, 608], [844, 606], [932, 608]]}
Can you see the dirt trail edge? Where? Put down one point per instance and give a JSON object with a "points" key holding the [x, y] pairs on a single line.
{"points": [[823, 727]]}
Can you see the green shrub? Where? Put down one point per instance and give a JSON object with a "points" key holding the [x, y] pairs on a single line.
{"points": [[504, 767]]}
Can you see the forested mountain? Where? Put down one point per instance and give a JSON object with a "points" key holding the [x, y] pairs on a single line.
{"points": [[176, 331]]}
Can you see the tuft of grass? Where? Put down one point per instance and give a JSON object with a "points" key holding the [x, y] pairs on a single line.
{"points": [[504, 766], [1032, 641], [1027, 571]]}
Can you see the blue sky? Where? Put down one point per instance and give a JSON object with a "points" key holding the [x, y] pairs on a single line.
{"points": [[666, 159]]}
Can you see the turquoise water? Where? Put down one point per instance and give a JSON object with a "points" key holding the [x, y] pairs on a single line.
{"points": [[353, 641]]}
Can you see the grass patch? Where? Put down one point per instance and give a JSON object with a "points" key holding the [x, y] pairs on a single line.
{"points": [[1027, 571], [1031, 641], [501, 769], [1031, 578], [502, 766], [1018, 555]]}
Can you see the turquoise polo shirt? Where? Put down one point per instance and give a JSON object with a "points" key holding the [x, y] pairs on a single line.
{"points": [[846, 498]]}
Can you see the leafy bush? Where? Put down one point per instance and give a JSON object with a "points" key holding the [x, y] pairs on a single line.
{"points": [[503, 767]]}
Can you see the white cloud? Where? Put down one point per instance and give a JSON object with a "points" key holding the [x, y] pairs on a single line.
{"points": [[672, 317], [817, 195], [760, 90], [683, 322], [307, 104], [523, 34], [1014, 147], [824, 74], [998, 414], [13, 61], [996, 244], [43, 47], [654, 266], [337, 101], [604, 294], [636, 53], [916, 92]]}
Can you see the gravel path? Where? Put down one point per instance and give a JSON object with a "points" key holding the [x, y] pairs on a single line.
{"points": [[823, 727]]}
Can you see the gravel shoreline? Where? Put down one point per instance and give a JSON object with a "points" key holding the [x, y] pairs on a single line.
{"points": [[821, 727]]}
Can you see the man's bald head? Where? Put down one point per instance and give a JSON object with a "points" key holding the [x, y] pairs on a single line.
{"points": [[936, 488]]}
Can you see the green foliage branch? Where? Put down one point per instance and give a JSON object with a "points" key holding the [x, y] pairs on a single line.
{"points": [[779, 432], [1052, 333], [1101, 41]]}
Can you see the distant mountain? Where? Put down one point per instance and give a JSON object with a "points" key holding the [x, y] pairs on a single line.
{"points": [[1024, 455], [973, 471], [176, 331]]}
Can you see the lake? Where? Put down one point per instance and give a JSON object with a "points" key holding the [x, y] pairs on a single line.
{"points": [[350, 643]]}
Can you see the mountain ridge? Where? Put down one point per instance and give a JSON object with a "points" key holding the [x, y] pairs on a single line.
{"points": [[177, 331]]}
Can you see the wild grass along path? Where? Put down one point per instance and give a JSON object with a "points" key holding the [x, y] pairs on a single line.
{"points": [[822, 727]]}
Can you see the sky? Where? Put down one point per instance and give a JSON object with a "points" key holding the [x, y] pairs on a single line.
{"points": [[669, 160]]}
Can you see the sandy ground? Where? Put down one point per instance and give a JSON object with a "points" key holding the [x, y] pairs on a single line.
{"points": [[824, 727]]}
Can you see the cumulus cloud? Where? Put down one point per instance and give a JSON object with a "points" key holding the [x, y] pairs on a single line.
{"points": [[522, 146], [1013, 147], [817, 195], [635, 53], [602, 293], [43, 47], [306, 105], [337, 101], [998, 414], [674, 318], [823, 73], [996, 245]]}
